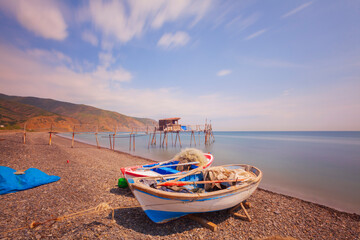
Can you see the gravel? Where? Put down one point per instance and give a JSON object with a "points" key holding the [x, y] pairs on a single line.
{"points": [[89, 177]]}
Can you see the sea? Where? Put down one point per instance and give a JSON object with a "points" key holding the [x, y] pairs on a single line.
{"points": [[321, 167]]}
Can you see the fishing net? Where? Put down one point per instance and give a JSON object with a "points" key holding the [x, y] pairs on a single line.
{"points": [[190, 155], [221, 173]]}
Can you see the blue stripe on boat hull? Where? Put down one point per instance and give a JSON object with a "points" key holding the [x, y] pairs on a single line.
{"points": [[188, 200], [163, 216]]}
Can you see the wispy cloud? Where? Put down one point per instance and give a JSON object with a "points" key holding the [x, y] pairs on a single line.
{"points": [[89, 37], [169, 40], [42, 17], [49, 56], [270, 63], [240, 23], [256, 34], [296, 10], [223, 72], [286, 92], [124, 20]]}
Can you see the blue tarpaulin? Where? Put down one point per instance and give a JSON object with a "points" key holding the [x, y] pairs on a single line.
{"points": [[33, 177]]}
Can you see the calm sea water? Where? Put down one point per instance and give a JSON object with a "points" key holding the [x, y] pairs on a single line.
{"points": [[321, 167]]}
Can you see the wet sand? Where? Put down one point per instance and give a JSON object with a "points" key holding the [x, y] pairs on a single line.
{"points": [[89, 177]]}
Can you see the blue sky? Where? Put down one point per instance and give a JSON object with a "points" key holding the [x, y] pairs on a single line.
{"points": [[244, 65]]}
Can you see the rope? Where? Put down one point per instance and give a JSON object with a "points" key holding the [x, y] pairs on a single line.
{"points": [[99, 208]]}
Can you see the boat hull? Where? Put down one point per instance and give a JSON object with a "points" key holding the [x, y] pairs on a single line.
{"points": [[161, 210], [162, 206]]}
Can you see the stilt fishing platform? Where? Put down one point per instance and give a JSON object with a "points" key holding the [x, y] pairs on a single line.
{"points": [[166, 128]]}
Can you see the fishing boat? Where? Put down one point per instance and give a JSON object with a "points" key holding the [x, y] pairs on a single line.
{"points": [[186, 160], [200, 190]]}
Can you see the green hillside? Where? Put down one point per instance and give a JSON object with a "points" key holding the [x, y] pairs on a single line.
{"points": [[16, 110]]}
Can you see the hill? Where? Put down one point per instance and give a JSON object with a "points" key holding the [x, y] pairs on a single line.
{"points": [[40, 113]]}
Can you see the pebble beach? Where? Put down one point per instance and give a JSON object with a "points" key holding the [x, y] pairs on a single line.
{"points": [[89, 177]]}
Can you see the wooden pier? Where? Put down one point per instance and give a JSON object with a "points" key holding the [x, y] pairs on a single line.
{"points": [[167, 128], [171, 126]]}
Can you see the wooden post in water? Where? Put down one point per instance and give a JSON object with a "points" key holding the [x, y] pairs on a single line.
{"points": [[160, 138], [166, 140], [155, 137], [205, 132], [172, 139], [149, 141], [50, 134], [114, 139], [153, 141], [192, 137], [175, 139], [199, 137], [131, 135], [134, 142], [179, 138], [24, 133], [97, 141], [73, 137], [162, 144], [130, 142], [110, 145]]}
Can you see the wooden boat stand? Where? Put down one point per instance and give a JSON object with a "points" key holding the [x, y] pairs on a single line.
{"points": [[246, 217], [213, 227]]}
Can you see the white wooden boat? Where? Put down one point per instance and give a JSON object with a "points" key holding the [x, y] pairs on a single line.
{"points": [[161, 206], [163, 168]]}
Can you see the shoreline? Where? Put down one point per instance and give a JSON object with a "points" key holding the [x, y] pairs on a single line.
{"points": [[269, 188], [90, 178], [117, 151]]}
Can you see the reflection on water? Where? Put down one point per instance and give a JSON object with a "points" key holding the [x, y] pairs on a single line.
{"points": [[322, 167]]}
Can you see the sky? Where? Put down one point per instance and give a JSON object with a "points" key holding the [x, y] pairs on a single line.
{"points": [[245, 65]]}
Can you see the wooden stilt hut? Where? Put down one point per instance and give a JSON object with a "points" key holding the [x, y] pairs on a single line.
{"points": [[169, 125]]}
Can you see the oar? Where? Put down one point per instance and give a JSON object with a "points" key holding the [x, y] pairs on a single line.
{"points": [[183, 183], [162, 163], [187, 174], [159, 166]]}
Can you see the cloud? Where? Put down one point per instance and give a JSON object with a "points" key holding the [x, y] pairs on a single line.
{"points": [[38, 76], [106, 59], [296, 10], [51, 56], [223, 72], [177, 39], [256, 34], [42, 17], [240, 23], [270, 63], [118, 75], [286, 92], [124, 20], [329, 107], [90, 38]]}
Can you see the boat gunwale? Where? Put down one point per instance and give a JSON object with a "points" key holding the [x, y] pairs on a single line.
{"points": [[132, 169]]}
